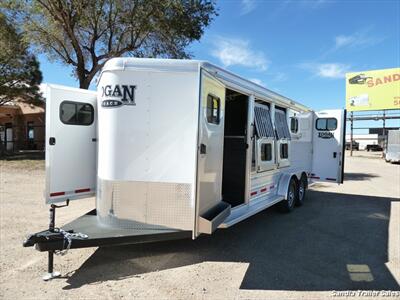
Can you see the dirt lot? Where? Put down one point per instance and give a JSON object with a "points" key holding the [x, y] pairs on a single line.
{"points": [[344, 238]]}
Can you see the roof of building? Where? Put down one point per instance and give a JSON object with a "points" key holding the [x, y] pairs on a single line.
{"points": [[30, 108], [20, 106]]}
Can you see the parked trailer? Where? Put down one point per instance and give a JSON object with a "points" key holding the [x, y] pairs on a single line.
{"points": [[175, 149], [393, 147]]}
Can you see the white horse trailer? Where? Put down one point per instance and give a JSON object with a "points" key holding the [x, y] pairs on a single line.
{"points": [[178, 148], [392, 153]]}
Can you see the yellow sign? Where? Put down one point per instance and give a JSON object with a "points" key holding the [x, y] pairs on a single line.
{"points": [[373, 90]]}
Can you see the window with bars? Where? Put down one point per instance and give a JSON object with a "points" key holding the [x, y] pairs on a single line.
{"points": [[263, 121], [281, 125]]}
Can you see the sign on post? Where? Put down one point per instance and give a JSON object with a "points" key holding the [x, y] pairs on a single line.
{"points": [[373, 90]]}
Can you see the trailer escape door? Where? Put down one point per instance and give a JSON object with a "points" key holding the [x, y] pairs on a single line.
{"points": [[328, 146], [210, 210], [70, 143]]}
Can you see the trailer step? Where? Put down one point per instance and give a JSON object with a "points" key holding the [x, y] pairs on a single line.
{"points": [[245, 211]]}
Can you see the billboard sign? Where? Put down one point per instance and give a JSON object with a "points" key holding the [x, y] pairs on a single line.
{"points": [[373, 90]]}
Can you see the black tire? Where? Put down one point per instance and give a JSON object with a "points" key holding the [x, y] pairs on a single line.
{"points": [[291, 196], [301, 191]]}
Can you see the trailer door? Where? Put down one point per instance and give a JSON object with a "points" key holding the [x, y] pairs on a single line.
{"points": [[70, 143], [328, 146], [210, 210]]}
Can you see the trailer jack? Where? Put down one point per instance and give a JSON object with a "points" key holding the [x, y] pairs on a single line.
{"points": [[52, 234], [50, 261]]}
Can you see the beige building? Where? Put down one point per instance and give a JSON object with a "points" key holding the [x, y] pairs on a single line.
{"points": [[22, 126]]}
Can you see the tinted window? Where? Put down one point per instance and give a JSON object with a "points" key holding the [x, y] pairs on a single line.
{"points": [[294, 125], [213, 109], [85, 114], [76, 113], [68, 112], [331, 124], [284, 151], [326, 124], [266, 152]]}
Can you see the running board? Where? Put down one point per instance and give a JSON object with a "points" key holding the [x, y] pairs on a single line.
{"points": [[246, 211]]}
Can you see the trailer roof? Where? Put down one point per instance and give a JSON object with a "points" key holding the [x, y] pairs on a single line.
{"points": [[230, 79]]}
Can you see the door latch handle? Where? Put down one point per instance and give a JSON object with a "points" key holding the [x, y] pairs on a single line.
{"points": [[334, 154], [203, 149], [52, 141]]}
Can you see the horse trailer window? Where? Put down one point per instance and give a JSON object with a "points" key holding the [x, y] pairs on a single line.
{"points": [[281, 125], [263, 121], [294, 125], [331, 124], [213, 109], [266, 152], [326, 124], [76, 113], [85, 114], [284, 151]]}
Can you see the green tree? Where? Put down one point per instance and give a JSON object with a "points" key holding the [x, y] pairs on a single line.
{"points": [[19, 70], [87, 33]]}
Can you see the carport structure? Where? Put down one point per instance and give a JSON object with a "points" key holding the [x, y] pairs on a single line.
{"points": [[382, 115]]}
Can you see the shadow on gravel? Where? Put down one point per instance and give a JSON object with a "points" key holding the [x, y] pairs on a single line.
{"points": [[358, 176], [334, 242]]}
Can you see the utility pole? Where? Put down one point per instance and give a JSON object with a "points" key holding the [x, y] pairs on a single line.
{"points": [[351, 133], [384, 133]]}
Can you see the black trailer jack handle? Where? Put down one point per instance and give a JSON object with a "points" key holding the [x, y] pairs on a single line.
{"points": [[50, 263]]}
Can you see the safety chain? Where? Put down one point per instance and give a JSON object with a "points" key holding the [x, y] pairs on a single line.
{"points": [[68, 238]]}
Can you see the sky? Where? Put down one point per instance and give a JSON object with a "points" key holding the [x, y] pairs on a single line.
{"points": [[300, 49]]}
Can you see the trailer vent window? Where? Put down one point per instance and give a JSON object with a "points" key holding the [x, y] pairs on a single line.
{"points": [[326, 124], [266, 152], [213, 109], [76, 113], [263, 122], [284, 151], [294, 125], [281, 125]]}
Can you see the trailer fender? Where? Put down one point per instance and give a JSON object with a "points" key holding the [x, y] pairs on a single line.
{"points": [[283, 184]]}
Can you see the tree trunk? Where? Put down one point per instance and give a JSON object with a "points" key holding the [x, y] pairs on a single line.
{"points": [[84, 83], [82, 77], [86, 78]]}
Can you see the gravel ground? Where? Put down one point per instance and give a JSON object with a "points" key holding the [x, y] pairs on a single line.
{"points": [[344, 238]]}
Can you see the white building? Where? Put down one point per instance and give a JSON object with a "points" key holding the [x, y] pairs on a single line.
{"points": [[363, 139]]}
